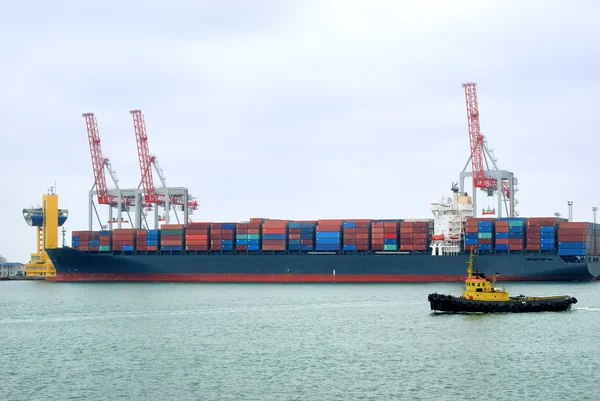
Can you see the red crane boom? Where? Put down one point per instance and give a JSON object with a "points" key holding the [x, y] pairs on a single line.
{"points": [[146, 161], [97, 161], [150, 196], [476, 139]]}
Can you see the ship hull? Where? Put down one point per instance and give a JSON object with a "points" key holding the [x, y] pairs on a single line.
{"points": [[449, 303], [73, 265]]}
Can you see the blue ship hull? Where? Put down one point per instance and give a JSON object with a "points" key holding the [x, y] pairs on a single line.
{"points": [[74, 265]]}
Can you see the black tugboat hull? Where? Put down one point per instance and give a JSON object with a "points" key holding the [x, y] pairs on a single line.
{"points": [[449, 303]]}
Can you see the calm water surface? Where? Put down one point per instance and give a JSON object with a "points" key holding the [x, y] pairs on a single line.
{"points": [[289, 342]]}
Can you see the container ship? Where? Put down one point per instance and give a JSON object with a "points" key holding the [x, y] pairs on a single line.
{"points": [[343, 251]]}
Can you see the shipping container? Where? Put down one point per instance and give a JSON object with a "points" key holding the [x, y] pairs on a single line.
{"points": [[301, 235], [509, 234], [414, 235], [480, 235], [274, 235], [171, 237], [356, 235], [248, 236], [577, 239], [328, 235]]}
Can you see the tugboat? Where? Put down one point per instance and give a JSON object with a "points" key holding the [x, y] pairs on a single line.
{"points": [[479, 295]]}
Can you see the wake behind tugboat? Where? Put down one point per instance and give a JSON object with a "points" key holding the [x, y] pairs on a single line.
{"points": [[479, 295]]}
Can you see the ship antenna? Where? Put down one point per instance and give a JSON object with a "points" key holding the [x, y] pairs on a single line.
{"points": [[470, 265]]}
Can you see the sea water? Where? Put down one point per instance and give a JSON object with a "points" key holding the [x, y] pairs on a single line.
{"points": [[180, 342]]}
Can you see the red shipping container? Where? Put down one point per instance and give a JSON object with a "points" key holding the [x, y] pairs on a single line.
{"points": [[278, 230], [200, 225], [197, 247], [533, 247], [195, 237], [241, 247], [515, 247], [573, 225], [171, 242], [572, 238], [272, 247]]}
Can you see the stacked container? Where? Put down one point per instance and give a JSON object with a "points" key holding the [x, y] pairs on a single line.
{"points": [[501, 242], [384, 235], [248, 236], [356, 235], [510, 231], [301, 236], [105, 238], [540, 234], [329, 235], [85, 240], [479, 234], [152, 240], [414, 235], [140, 240], [197, 236], [172, 237], [123, 239], [274, 234], [222, 236], [575, 239]]}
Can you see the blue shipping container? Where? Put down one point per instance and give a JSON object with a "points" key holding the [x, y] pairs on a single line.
{"points": [[571, 252], [502, 235], [571, 245], [274, 236], [328, 241], [328, 234], [502, 247], [485, 247]]}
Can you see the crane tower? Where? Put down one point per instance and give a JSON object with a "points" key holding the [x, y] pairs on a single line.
{"points": [[487, 177], [120, 199], [46, 219], [166, 197]]}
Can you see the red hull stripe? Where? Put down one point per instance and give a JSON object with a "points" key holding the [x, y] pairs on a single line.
{"points": [[285, 278]]}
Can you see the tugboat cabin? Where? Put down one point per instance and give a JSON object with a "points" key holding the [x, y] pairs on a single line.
{"points": [[479, 288]]}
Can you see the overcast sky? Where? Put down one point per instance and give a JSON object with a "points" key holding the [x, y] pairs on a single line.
{"points": [[297, 109]]}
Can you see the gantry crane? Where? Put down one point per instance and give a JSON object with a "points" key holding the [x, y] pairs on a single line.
{"points": [[121, 199], [484, 177], [166, 197]]}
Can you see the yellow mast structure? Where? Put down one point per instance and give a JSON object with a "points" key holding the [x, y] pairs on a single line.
{"points": [[46, 219]]}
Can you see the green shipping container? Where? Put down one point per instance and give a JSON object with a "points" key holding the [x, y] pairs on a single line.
{"points": [[253, 236], [485, 235], [242, 236], [516, 223], [104, 248], [390, 247], [171, 232]]}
